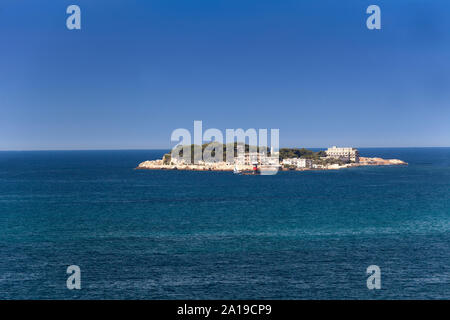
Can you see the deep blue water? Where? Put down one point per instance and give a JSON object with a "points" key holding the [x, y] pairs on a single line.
{"points": [[207, 235]]}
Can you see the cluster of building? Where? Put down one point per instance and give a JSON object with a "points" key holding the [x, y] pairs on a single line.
{"points": [[298, 162], [343, 154], [257, 162], [254, 159]]}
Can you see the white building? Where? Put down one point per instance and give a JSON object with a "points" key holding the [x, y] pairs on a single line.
{"points": [[255, 158], [247, 158], [345, 154], [298, 162]]}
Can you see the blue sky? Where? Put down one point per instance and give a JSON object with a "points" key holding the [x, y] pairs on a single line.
{"points": [[137, 70]]}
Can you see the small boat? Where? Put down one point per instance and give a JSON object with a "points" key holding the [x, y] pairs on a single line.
{"points": [[268, 170], [236, 170]]}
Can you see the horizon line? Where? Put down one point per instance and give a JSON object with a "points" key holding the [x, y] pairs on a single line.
{"points": [[161, 149]]}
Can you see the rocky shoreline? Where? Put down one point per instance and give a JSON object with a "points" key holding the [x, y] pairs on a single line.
{"points": [[159, 165], [222, 166]]}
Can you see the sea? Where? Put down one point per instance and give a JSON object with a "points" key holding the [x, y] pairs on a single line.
{"points": [[143, 234]]}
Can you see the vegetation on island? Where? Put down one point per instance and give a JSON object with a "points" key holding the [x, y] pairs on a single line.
{"points": [[318, 157], [286, 153], [213, 146]]}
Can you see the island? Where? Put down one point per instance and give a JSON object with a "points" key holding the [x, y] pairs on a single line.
{"points": [[246, 159]]}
